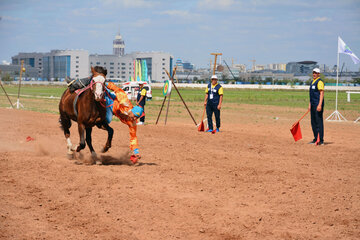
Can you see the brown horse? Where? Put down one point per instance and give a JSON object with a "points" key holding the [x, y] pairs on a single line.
{"points": [[87, 109]]}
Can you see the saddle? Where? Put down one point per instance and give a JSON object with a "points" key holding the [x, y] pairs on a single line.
{"points": [[76, 84]]}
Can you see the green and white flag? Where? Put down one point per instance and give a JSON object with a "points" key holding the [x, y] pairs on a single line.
{"points": [[343, 48]]}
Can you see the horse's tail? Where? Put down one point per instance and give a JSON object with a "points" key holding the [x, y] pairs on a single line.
{"points": [[64, 123], [64, 120]]}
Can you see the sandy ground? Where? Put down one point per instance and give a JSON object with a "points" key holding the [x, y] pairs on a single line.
{"points": [[250, 181]]}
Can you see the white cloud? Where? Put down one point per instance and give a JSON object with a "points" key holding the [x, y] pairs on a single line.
{"points": [[142, 22], [8, 18], [179, 13], [82, 12], [316, 19], [4, 62], [216, 4], [131, 3]]}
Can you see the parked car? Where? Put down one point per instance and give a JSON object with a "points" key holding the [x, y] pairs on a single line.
{"points": [[132, 89]]}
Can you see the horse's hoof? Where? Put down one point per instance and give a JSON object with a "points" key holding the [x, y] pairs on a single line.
{"points": [[98, 162], [105, 149], [70, 156]]}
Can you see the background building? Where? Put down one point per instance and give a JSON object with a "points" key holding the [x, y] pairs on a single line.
{"points": [[277, 66], [57, 64], [12, 72], [301, 68], [118, 45], [121, 68], [33, 59]]}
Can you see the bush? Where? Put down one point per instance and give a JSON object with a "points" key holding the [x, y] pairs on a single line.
{"points": [[6, 77]]}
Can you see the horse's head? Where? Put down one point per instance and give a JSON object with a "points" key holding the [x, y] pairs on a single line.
{"points": [[99, 74]]}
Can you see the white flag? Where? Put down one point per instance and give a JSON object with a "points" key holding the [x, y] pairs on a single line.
{"points": [[342, 48]]}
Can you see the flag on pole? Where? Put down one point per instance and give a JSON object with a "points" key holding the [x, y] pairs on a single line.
{"points": [[343, 48]]}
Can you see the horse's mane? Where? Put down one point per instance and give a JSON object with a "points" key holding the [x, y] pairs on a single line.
{"points": [[101, 70]]}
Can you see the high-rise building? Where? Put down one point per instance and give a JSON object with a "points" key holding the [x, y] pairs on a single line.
{"points": [[118, 45], [277, 66], [122, 67], [57, 64], [301, 68]]}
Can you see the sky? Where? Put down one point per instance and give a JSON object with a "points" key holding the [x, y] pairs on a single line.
{"points": [[269, 31]]}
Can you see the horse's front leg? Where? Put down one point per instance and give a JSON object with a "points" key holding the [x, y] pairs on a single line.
{"points": [[81, 129], [110, 136]]}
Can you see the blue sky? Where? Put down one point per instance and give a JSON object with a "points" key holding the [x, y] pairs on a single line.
{"points": [[270, 31]]}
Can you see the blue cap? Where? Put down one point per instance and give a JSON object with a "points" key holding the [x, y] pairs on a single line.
{"points": [[137, 111]]}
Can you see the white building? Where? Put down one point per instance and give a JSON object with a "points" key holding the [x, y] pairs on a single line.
{"points": [[57, 64], [121, 68]]}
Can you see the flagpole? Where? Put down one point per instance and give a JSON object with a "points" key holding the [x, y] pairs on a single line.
{"points": [[337, 79], [336, 116]]}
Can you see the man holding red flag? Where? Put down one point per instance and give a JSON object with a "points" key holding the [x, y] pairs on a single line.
{"points": [[316, 107]]}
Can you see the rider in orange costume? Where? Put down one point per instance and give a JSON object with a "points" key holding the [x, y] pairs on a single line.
{"points": [[123, 109]]}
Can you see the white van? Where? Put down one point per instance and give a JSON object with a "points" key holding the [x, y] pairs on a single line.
{"points": [[132, 89]]}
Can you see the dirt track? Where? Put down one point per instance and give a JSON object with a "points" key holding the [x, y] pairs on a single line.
{"points": [[251, 181]]}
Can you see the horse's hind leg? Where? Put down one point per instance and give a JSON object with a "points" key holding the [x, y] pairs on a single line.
{"points": [[110, 136], [65, 125], [89, 143]]}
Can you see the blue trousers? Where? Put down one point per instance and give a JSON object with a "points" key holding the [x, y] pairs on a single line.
{"points": [[142, 119], [109, 107], [317, 122], [210, 109]]}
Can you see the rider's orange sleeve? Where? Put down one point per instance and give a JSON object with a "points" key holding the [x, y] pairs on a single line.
{"points": [[122, 106]]}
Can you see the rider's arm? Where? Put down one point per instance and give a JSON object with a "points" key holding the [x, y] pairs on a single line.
{"points": [[112, 86]]}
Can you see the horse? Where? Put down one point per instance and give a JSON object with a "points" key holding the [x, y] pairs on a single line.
{"points": [[87, 109]]}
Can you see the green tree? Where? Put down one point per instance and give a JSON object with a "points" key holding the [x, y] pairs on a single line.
{"points": [[7, 78]]}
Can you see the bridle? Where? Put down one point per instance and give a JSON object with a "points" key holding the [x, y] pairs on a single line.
{"points": [[94, 83]]}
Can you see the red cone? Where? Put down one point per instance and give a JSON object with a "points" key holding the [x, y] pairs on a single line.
{"points": [[296, 131]]}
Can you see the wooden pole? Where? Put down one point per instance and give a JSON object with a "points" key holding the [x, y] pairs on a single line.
{"points": [[181, 97], [162, 105], [216, 54], [6, 94], [167, 109], [18, 98]]}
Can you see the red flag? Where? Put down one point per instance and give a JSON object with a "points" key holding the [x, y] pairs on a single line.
{"points": [[296, 131], [201, 127], [318, 139]]}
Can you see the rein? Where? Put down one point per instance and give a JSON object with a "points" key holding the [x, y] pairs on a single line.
{"points": [[90, 86]]}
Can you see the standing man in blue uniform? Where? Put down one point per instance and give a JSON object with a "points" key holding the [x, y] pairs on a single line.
{"points": [[141, 101], [213, 100], [316, 107]]}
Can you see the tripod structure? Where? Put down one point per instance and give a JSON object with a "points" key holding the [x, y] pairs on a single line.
{"points": [[166, 93]]}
